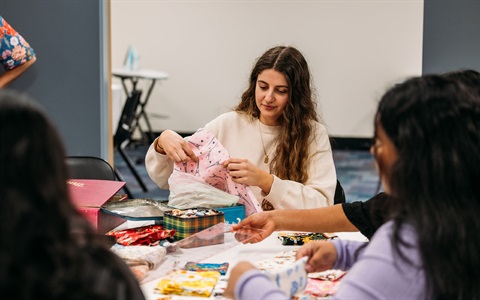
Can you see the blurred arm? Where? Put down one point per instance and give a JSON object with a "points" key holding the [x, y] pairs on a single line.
{"points": [[8, 76]]}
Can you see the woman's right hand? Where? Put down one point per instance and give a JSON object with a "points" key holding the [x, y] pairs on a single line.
{"points": [[257, 226], [322, 255], [175, 147]]}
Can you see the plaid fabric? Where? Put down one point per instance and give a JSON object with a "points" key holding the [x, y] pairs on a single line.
{"points": [[185, 227]]}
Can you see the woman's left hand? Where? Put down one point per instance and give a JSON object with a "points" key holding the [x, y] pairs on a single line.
{"points": [[243, 171]]}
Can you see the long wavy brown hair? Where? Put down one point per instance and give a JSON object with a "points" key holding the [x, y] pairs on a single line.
{"points": [[298, 118]]}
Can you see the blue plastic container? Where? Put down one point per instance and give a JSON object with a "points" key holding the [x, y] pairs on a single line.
{"points": [[233, 214]]}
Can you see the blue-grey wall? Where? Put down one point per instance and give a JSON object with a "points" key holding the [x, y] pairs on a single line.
{"points": [[67, 78], [451, 38]]}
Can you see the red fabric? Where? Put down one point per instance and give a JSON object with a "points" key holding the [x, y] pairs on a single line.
{"points": [[146, 235]]}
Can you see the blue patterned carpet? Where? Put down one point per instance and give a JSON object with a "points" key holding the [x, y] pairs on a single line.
{"points": [[357, 174], [355, 170]]}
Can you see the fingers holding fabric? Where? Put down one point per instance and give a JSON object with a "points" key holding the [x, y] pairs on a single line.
{"points": [[175, 147]]}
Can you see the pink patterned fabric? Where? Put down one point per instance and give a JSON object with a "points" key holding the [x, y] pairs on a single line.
{"points": [[211, 155]]}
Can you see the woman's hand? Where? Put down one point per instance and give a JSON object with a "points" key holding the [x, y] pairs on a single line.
{"points": [[322, 255], [235, 274], [243, 171], [175, 147], [255, 228]]}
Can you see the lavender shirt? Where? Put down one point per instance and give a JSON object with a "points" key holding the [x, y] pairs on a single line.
{"points": [[377, 274]]}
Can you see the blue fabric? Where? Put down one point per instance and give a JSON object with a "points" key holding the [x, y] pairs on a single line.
{"points": [[14, 49]]}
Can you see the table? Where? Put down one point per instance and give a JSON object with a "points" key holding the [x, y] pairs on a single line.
{"points": [[133, 76], [235, 253]]}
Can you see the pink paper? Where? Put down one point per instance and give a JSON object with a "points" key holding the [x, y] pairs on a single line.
{"points": [[211, 155]]}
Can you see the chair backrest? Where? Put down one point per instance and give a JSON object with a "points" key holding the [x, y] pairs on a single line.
{"points": [[339, 196], [125, 123], [89, 167]]}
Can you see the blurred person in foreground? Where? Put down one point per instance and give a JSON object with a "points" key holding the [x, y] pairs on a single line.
{"points": [[47, 249], [427, 136]]}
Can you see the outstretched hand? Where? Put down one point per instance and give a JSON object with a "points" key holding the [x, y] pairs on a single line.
{"points": [[175, 147], [322, 255], [258, 227]]}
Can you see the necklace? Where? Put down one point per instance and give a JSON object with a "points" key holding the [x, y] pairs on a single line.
{"points": [[265, 160]]}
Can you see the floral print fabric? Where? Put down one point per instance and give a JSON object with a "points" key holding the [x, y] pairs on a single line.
{"points": [[14, 49]]}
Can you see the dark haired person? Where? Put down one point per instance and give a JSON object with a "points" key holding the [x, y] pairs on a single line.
{"points": [[427, 136], [47, 249]]}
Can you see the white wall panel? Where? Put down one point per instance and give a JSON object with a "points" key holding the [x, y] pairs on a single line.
{"points": [[355, 50]]}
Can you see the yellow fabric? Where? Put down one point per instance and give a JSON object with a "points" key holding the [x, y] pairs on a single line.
{"points": [[188, 283]]}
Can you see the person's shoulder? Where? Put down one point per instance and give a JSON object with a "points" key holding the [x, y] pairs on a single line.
{"points": [[380, 242], [319, 127], [231, 117], [319, 136], [386, 231]]}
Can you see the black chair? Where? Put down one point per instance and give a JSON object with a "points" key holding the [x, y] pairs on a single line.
{"points": [[91, 167], [339, 196], [125, 128]]}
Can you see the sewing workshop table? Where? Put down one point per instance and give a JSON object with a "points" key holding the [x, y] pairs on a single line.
{"points": [[134, 76], [265, 250]]}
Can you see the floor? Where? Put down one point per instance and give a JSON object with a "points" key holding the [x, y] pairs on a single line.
{"points": [[355, 170]]}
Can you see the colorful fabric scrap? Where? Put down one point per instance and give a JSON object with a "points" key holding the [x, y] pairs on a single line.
{"points": [[280, 260], [188, 283], [299, 238], [146, 235], [14, 49], [329, 275], [319, 285], [194, 266], [321, 288]]}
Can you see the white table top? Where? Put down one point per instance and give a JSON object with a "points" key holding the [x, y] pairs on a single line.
{"points": [[140, 73], [231, 251]]}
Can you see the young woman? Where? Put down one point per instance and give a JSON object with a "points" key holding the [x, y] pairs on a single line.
{"points": [[276, 143], [47, 249], [427, 136]]}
